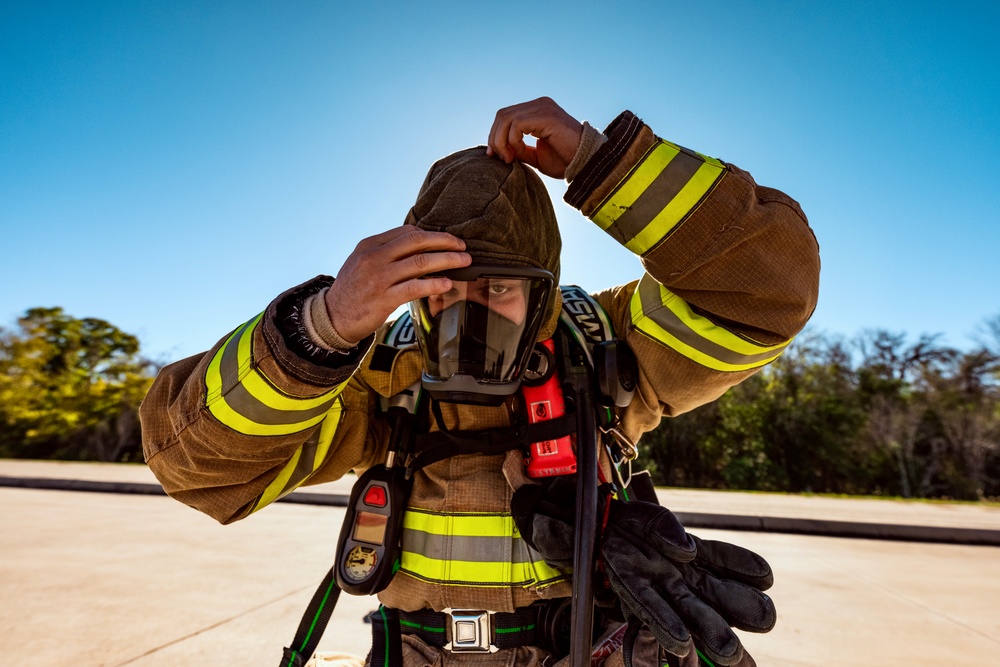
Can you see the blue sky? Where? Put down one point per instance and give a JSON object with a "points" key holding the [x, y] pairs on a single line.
{"points": [[172, 166]]}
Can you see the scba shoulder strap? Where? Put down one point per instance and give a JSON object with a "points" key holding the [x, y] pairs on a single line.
{"points": [[611, 361], [586, 319]]}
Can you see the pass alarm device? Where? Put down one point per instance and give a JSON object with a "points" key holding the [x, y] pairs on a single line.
{"points": [[369, 539], [543, 397]]}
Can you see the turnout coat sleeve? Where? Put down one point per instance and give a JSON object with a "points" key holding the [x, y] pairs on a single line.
{"points": [[731, 267], [233, 429]]}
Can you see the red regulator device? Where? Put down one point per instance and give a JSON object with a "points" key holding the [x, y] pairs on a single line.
{"points": [[544, 400]]}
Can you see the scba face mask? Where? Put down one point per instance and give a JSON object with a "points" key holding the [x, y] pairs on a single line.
{"points": [[476, 338]]}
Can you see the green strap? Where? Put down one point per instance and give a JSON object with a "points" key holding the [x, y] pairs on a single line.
{"points": [[313, 623], [387, 649]]}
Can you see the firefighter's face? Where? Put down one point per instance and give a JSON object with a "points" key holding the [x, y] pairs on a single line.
{"points": [[504, 296]]}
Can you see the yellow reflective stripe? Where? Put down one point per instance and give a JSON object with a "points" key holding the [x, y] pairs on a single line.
{"points": [[661, 190], [297, 471], [464, 525], [635, 183], [460, 548], [213, 376], [678, 209], [327, 431], [273, 490], [542, 573], [242, 398], [481, 574], [546, 575], [466, 573], [664, 316], [234, 420], [264, 391]]}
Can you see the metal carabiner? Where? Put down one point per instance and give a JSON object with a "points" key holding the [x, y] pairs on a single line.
{"points": [[616, 463], [627, 452], [625, 445]]}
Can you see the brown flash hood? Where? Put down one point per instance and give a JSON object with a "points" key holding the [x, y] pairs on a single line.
{"points": [[502, 211]]}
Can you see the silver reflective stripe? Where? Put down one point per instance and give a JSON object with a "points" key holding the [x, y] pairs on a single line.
{"points": [[456, 547], [656, 197], [468, 548], [247, 405], [653, 308]]}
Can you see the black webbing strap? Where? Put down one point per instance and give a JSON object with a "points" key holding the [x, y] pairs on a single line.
{"points": [[387, 650], [517, 629], [427, 624], [628, 641], [313, 623], [439, 445], [508, 630]]}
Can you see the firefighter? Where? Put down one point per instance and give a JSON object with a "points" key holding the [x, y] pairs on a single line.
{"points": [[293, 396]]}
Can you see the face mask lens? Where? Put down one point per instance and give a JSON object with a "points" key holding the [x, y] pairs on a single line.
{"points": [[507, 297], [482, 329]]}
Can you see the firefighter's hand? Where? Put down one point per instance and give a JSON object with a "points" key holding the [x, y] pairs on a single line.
{"points": [[387, 270], [687, 591], [557, 134]]}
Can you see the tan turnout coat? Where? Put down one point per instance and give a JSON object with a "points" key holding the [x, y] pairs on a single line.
{"points": [[731, 276]]}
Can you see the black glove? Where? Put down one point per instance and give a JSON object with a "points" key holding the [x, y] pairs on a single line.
{"points": [[669, 580], [545, 514], [697, 659], [686, 590], [636, 651]]}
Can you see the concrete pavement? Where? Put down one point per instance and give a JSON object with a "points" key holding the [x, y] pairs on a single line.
{"points": [[957, 523], [108, 580]]}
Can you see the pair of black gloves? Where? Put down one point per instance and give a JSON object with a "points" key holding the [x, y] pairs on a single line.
{"points": [[688, 592]]}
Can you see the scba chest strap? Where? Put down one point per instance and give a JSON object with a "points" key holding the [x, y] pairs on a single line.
{"points": [[440, 445]]}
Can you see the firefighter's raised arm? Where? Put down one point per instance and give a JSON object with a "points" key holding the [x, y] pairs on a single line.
{"points": [[386, 271]]}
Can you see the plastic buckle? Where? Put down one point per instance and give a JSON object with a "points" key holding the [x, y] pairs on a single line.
{"points": [[470, 631]]}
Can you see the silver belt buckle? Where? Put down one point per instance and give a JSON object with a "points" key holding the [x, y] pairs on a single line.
{"points": [[470, 631]]}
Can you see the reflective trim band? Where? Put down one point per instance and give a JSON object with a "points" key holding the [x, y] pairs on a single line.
{"points": [[304, 461], [479, 574], [463, 525], [439, 547], [243, 399], [544, 574], [483, 550], [662, 190], [464, 573], [664, 316]]}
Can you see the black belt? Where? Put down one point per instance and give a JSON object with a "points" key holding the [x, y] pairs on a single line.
{"points": [[473, 630]]}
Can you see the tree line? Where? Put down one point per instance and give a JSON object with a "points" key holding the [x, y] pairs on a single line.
{"points": [[874, 415], [70, 389]]}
